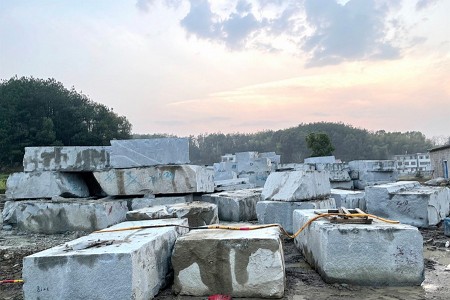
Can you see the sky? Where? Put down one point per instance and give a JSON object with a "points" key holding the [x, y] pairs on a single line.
{"points": [[189, 67]]}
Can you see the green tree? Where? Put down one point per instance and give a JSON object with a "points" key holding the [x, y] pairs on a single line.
{"points": [[38, 112], [320, 144]]}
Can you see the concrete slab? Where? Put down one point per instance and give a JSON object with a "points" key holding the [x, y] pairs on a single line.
{"points": [[349, 199], [73, 159], [149, 152], [176, 179], [238, 263], [132, 264], [45, 184], [409, 203], [280, 212], [380, 254], [50, 217], [197, 213], [235, 206], [296, 186]]}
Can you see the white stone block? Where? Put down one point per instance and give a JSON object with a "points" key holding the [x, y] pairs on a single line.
{"points": [[280, 212], [235, 206], [132, 264], [409, 203], [50, 217], [257, 165], [349, 199], [296, 186], [247, 264], [197, 213], [320, 160], [380, 254], [149, 152], [174, 179], [45, 184], [71, 159]]}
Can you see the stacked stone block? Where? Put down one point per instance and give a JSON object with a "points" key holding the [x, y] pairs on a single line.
{"points": [[287, 191], [372, 172]]}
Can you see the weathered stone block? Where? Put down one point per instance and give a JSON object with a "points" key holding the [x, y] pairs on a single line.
{"points": [[447, 226], [246, 156], [149, 152], [258, 179], [409, 203], [50, 217], [349, 199], [380, 254], [45, 184], [177, 179], [71, 159], [320, 160], [225, 171], [372, 172], [132, 264], [257, 165], [296, 186], [237, 263], [197, 213], [235, 206], [280, 212]]}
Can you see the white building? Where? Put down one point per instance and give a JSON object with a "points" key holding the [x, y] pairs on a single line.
{"points": [[413, 163]]}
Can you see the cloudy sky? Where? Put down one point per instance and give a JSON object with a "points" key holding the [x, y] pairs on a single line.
{"points": [[198, 66]]}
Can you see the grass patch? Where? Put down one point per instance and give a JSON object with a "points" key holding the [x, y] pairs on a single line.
{"points": [[3, 178]]}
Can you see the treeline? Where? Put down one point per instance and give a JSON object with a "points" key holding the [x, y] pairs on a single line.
{"points": [[37, 112], [350, 143]]}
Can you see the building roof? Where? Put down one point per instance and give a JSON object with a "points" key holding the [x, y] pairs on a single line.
{"points": [[440, 148]]}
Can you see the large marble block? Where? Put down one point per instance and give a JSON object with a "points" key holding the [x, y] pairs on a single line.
{"points": [[173, 179], [149, 152], [73, 159]]}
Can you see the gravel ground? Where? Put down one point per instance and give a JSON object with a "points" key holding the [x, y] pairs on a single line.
{"points": [[302, 282]]}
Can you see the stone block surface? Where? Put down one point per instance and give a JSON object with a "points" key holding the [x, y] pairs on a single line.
{"points": [[258, 179], [246, 264], [71, 159], [50, 217], [197, 213], [320, 160], [280, 212], [296, 186], [409, 203], [132, 264], [372, 172], [447, 226], [174, 179], [235, 206], [380, 254], [349, 199], [149, 152], [45, 184]]}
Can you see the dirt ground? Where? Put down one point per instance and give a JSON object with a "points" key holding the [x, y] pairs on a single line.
{"points": [[303, 283]]}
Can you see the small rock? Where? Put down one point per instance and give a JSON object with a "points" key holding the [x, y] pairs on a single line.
{"points": [[447, 244]]}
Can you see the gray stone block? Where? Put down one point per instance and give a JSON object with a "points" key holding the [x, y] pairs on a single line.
{"points": [[258, 179], [50, 217], [347, 185], [235, 206], [45, 184], [257, 165], [320, 160], [372, 172], [246, 264], [246, 156], [225, 171], [177, 179], [349, 199], [71, 159], [132, 264], [149, 152], [296, 186], [380, 254], [409, 203], [197, 213], [164, 200], [280, 212]]}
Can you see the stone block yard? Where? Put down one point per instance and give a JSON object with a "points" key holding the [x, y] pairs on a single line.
{"points": [[137, 221]]}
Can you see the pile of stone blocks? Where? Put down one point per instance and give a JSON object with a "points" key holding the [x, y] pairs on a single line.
{"points": [[372, 172], [409, 202], [287, 191], [254, 166], [130, 264], [379, 254], [235, 206], [247, 264], [349, 199], [62, 186]]}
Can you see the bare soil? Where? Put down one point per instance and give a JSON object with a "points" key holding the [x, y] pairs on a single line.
{"points": [[303, 283]]}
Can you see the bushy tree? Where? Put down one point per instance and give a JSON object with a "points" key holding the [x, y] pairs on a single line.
{"points": [[38, 112], [319, 144]]}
